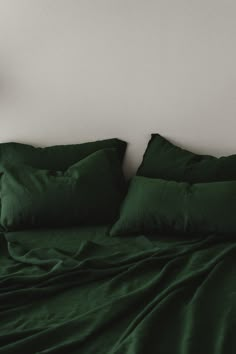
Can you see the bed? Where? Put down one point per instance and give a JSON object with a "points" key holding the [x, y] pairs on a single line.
{"points": [[80, 289]]}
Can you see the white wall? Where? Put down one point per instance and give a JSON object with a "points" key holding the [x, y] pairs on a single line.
{"points": [[76, 70]]}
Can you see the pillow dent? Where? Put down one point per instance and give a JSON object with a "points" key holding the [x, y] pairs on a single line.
{"points": [[88, 192], [156, 205]]}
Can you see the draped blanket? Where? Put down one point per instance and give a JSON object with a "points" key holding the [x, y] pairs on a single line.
{"points": [[62, 293]]}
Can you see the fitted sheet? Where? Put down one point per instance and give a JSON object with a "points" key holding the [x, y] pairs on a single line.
{"points": [[79, 290]]}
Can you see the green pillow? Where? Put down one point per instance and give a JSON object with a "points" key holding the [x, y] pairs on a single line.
{"points": [[162, 159], [88, 192], [58, 157], [156, 205]]}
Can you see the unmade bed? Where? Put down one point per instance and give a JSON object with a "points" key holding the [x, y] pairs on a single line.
{"points": [[92, 263]]}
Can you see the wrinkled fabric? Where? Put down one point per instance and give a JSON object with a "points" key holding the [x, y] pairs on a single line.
{"points": [[73, 291]]}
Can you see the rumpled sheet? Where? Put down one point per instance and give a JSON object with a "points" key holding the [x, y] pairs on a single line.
{"points": [[84, 292]]}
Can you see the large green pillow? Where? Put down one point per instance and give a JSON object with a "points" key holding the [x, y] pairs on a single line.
{"points": [[58, 157], [162, 159], [156, 205], [88, 192]]}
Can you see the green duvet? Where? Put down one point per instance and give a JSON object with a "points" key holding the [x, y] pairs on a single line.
{"points": [[80, 291]]}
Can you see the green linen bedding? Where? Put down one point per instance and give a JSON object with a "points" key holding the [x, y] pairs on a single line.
{"points": [[163, 159], [157, 205], [56, 157], [80, 291], [88, 193]]}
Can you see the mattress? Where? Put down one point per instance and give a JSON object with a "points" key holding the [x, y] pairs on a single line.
{"points": [[79, 290]]}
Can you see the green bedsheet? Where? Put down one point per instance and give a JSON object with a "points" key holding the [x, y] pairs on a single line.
{"points": [[79, 291]]}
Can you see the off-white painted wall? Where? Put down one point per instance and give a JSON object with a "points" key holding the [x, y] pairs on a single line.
{"points": [[76, 70]]}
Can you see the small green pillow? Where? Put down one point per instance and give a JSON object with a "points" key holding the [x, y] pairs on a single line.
{"points": [[155, 205], [88, 192], [162, 159]]}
